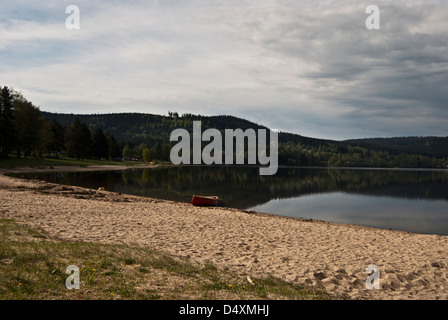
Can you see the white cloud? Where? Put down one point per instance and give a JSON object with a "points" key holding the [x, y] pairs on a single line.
{"points": [[310, 67]]}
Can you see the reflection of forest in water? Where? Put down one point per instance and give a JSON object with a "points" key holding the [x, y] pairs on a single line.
{"points": [[243, 187]]}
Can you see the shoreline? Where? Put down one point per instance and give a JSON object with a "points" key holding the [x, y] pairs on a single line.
{"points": [[18, 170], [311, 252], [143, 166], [75, 168], [119, 167]]}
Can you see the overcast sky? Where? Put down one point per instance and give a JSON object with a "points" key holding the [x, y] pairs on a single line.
{"points": [[308, 67]]}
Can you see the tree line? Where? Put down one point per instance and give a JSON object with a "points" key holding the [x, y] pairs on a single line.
{"points": [[347, 155], [25, 132]]}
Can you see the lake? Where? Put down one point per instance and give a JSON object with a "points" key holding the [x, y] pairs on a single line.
{"points": [[410, 200]]}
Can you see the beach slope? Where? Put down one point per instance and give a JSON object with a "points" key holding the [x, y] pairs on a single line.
{"points": [[327, 255]]}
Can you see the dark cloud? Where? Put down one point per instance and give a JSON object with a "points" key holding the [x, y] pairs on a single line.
{"points": [[310, 67]]}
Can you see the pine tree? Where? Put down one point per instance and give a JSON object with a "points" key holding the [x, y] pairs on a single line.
{"points": [[78, 140], [113, 149], [28, 124], [46, 136], [99, 144], [7, 130], [59, 137]]}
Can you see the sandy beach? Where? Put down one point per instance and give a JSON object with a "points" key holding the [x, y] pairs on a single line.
{"points": [[315, 253]]}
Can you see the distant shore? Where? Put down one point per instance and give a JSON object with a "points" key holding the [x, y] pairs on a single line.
{"points": [[104, 167], [315, 253], [55, 166]]}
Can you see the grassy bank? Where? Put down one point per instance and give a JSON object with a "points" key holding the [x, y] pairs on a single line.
{"points": [[63, 161], [33, 264]]}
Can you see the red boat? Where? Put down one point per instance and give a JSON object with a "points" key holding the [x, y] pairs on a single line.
{"points": [[205, 200]]}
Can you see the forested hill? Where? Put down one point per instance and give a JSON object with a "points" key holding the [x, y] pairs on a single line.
{"points": [[428, 146], [134, 129], [26, 131]]}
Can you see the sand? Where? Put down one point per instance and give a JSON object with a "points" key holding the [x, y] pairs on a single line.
{"points": [[315, 253]]}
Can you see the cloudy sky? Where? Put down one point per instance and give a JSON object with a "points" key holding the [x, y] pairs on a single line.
{"points": [[308, 67]]}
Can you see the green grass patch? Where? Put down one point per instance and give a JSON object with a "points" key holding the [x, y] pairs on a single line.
{"points": [[33, 266]]}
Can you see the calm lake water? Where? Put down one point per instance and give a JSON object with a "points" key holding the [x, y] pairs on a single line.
{"points": [[411, 200]]}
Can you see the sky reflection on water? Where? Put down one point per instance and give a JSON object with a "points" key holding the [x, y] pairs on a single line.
{"points": [[423, 216]]}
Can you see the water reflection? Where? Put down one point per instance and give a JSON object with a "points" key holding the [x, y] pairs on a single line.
{"points": [[423, 216], [398, 199]]}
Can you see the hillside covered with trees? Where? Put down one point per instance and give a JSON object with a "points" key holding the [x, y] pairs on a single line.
{"points": [[25, 131], [139, 130], [428, 146]]}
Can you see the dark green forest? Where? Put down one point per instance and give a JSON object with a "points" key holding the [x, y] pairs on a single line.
{"points": [[428, 146], [25, 131], [139, 130]]}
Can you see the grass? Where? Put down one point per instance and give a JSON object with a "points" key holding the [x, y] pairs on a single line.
{"points": [[33, 265], [62, 161]]}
